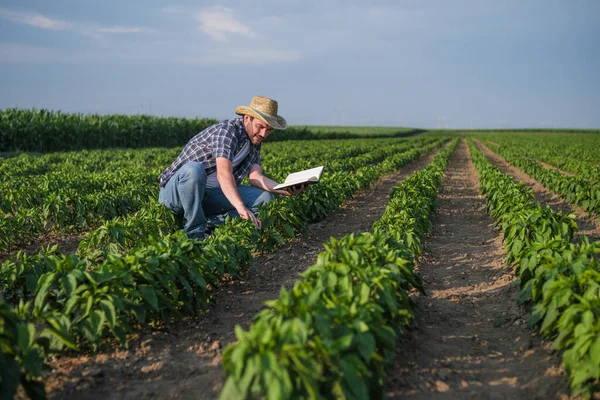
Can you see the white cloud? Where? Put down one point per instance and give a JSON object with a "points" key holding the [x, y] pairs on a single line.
{"points": [[87, 29], [124, 29], [219, 23], [37, 20], [225, 40]]}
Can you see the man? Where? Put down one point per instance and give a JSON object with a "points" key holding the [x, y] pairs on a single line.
{"points": [[204, 182]]}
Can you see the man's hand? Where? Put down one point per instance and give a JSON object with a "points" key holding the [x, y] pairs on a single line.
{"points": [[293, 190], [249, 215]]}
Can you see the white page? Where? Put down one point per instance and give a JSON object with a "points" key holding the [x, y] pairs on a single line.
{"points": [[306, 176]]}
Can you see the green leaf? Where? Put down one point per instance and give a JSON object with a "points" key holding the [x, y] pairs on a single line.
{"points": [[33, 362], [517, 246], [9, 378], [140, 314], [525, 294], [535, 317], [551, 315], [70, 304], [119, 333], [88, 307], [55, 332], [594, 351], [585, 371], [364, 293], [231, 390], [97, 319], [274, 386], [69, 283], [385, 335], [35, 390], [42, 290], [149, 294], [366, 345], [268, 361], [343, 343], [288, 230], [353, 381], [25, 337], [109, 311]]}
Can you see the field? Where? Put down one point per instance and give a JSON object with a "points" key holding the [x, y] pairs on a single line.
{"points": [[431, 265], [355, 130]]}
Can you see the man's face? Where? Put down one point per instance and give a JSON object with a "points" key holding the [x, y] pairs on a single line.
{"points": [[256, 129]]}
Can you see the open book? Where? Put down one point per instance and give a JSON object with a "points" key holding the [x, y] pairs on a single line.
{"points": [[307, 176]]}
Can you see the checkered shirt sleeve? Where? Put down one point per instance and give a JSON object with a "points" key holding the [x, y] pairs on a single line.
{"points": [[223, 139]]}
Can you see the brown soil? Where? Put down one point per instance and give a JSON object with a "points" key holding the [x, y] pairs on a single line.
{"points": [[471, 338], [67, 243], [545, 165], [588, 226], [183, 359]]}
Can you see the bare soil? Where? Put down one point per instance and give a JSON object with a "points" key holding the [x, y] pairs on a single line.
{"points": [[183, 360], [471, 339], [545, 165]]}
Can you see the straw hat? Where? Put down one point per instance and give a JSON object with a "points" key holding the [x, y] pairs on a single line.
{"points": [[264, 109]]}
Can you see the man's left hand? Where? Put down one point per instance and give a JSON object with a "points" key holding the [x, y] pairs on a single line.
{"points": [[292, 190]]}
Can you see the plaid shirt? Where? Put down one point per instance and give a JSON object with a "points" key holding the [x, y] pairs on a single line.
{"points": [[223, 139]]}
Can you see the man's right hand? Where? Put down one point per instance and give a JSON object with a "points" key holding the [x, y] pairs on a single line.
{"points": [[247, 214]]}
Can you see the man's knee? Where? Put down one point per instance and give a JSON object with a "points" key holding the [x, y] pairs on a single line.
{"points": [[192, 172], [192, 177], [264, 198]]}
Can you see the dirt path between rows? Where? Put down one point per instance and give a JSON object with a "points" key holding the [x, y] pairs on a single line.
{"points": [[548, 166], [183, 360], [588, 226], [471, 338]]}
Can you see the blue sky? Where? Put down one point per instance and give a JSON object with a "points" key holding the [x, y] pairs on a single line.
{"points": [[421, 63]]}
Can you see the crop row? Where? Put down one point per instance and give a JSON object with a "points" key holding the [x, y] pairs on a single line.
{"points": [[289, 215], [578, 190], [333, 333], [77, 304], [45, 131], [75, 163], [559, 278], [76, 200], [577, 154]]}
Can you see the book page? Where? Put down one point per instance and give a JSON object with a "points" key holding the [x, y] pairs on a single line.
{"points": [[312, 175]]}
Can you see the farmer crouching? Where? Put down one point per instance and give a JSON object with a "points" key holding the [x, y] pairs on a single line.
{"points": [[204, 183]]}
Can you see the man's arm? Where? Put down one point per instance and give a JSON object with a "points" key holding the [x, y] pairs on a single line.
{"points": [[258, 180], [229, 188]]}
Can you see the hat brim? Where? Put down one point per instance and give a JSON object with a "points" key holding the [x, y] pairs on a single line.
{"points": [[275, 121]]}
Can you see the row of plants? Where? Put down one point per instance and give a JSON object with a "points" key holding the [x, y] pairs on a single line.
{"points": [[76, 304], [576, 154], [71, 199], [333, 333], [577, 190], [35, 166], [560, 279], [47, 131], [19, 274]]}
